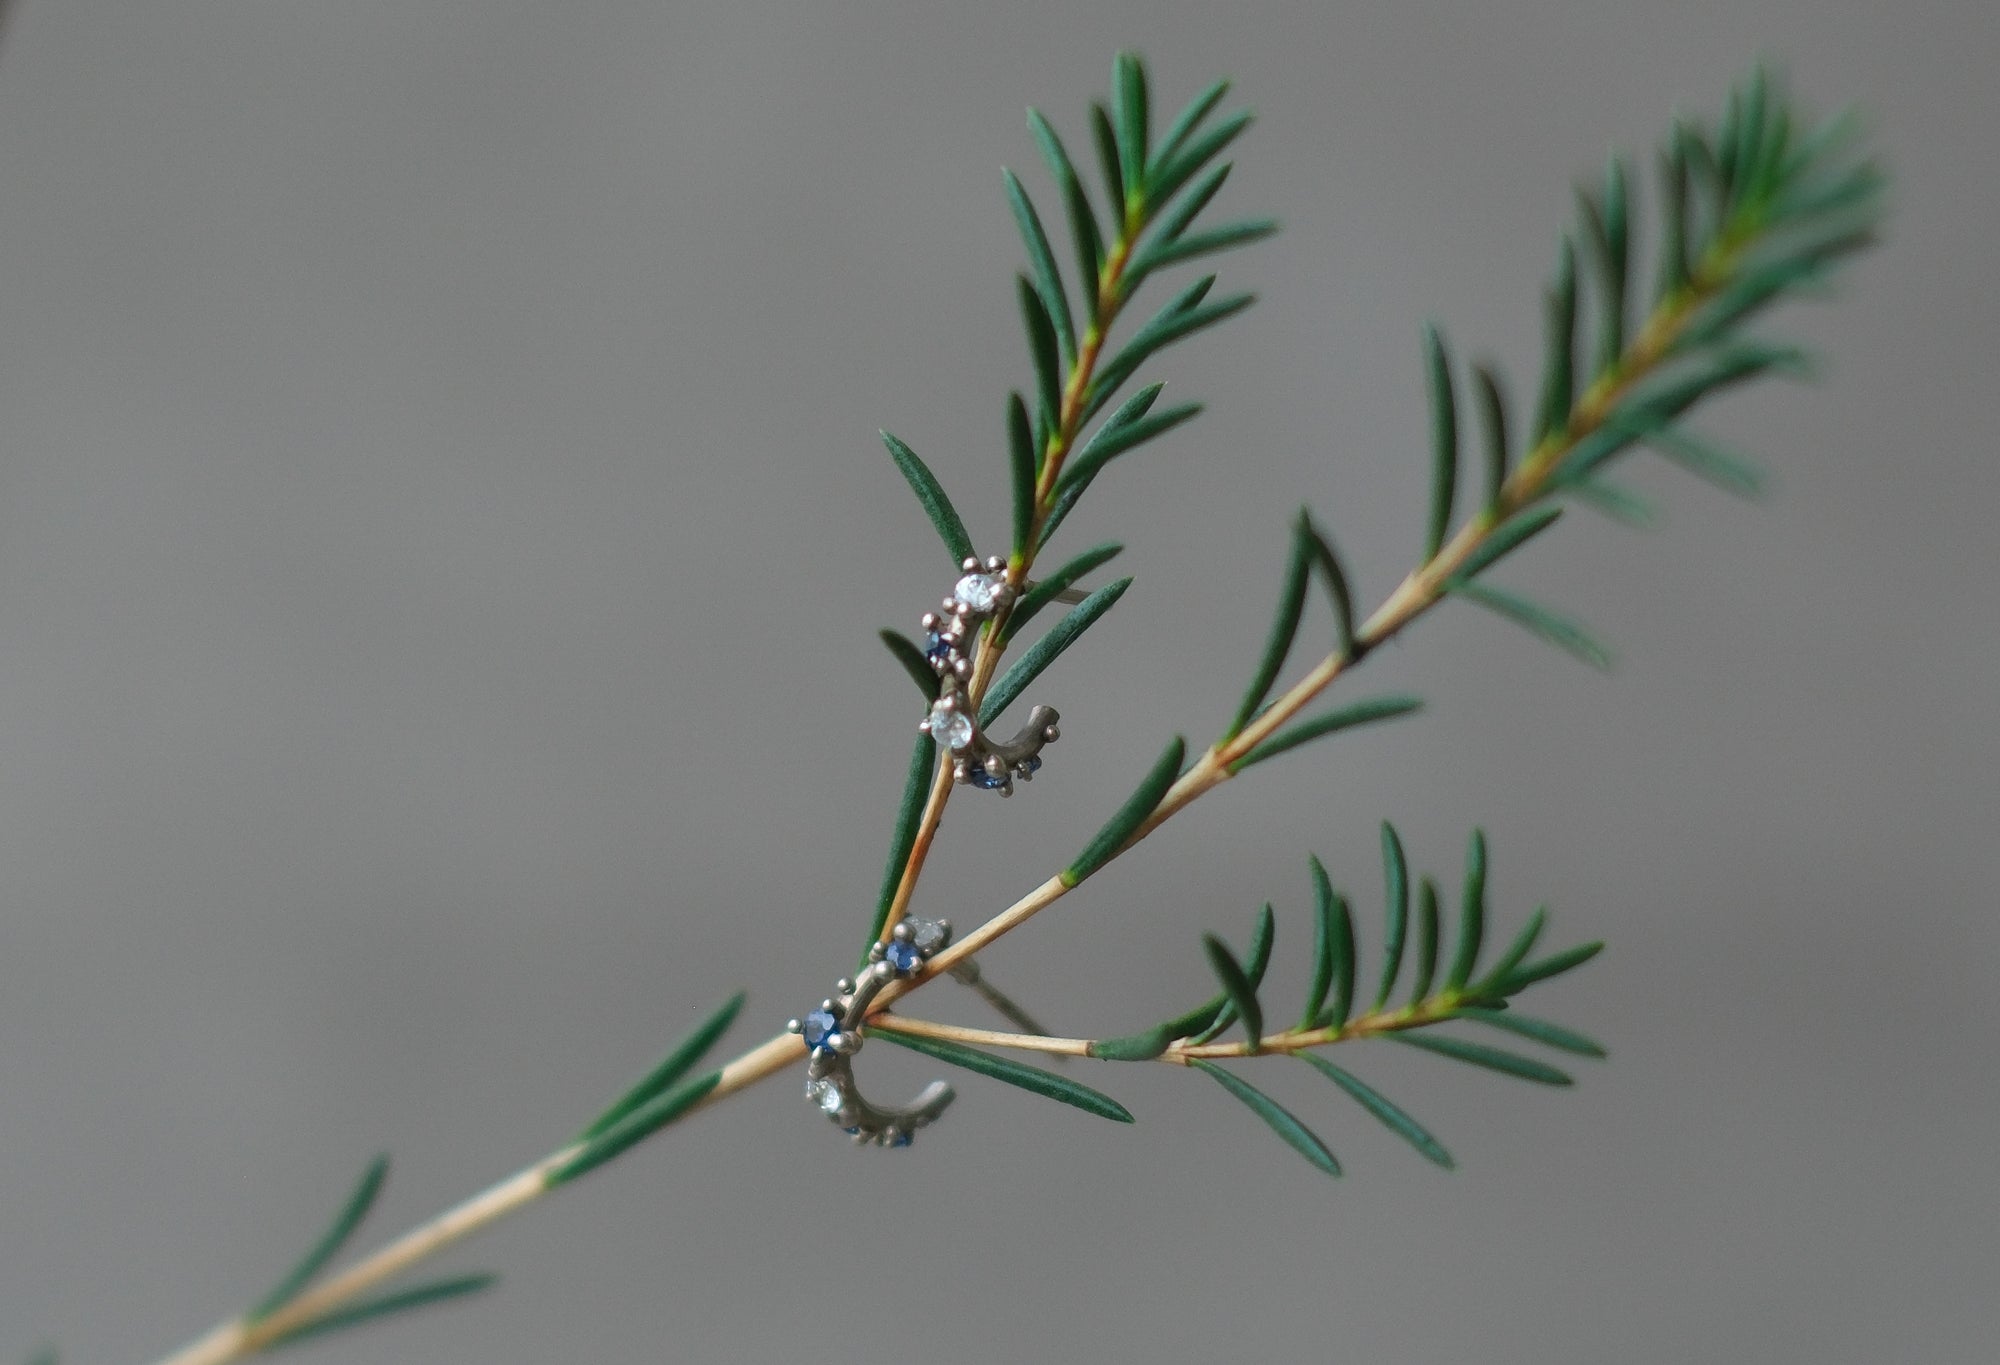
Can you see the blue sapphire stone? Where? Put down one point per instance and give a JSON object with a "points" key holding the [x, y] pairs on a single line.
{"points": [[900, 1140], [903, 956], [1033, 765], [977, 775], [819, 1029], [936, 648]]}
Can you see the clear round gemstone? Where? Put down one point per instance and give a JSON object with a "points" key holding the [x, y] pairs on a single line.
{"points": [[951, 727], [927, 934], [826, 1094], [978, 592]]}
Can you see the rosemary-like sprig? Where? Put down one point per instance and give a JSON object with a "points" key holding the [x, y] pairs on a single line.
{"points": [[1776, 208]]}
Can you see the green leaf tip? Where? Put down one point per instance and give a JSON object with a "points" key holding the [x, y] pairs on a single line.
{"points": [[1552, 627], [1492, 1058], [931, 495], [1030, 1078], [346, 1220], [1444, 440], [1048, 279], [1284, 629], [1364, 712], [1396, 913], [1280, 1120], [1539, 1030], [1121, 827], [1237, 986], [387, 1305], [1391, 1115], [1472, 914], [672, 1067], [633, 1128], [905, 652]]}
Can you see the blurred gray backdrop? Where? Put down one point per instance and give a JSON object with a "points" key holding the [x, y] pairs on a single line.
{"points": [[442, 536]]}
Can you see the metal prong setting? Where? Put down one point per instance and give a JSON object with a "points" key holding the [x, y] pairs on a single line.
{"points": [[980, 595], [832, 1033]]}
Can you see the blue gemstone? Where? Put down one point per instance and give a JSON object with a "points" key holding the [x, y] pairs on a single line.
{"points": [[1033, 765], [936, 648], [977, 775], [900, 1140], [819, 1029], [903, 956]]}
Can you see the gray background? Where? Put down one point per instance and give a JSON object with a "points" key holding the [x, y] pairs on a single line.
{"points": [[442, 533]]}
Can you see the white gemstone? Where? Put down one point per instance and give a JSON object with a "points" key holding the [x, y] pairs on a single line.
{"points": [[826, 1094], [926, 935], [951, 727], [978, 592]]}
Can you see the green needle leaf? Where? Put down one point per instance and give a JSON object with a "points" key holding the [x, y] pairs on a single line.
{"points": [[1284, 627], [1048, 279], [1102, 849], [1493, 423], [1324, 934], [913, 661], [1237, 986], [1427, 940], [1084, 232], [1185, 123], [635, 1127], [1544, 968], [1618, 503], [345, 1221], [1561, 631], [1167, 230], [1444, 440], [1023, 463], [1492, 1058], [1540, 1030], [1328, 564], [1131, 127], [1392, 1117], [1111, 441], [1174, 173], [1509, 536], [1559, 363], [386, 1305], [1731, 473], [675, 1065], [1396, 887], [1041, 345], [1223, 238], [1049, 648], [1262, 935], [1108, 161], [1332, 911], [931, 494], [1150, 1043], [1030, 1078], [1057, 583], [1517, 951], [1674, 213], [1471, 915], [916, 790], [1297, 1136], [1360, 713]]}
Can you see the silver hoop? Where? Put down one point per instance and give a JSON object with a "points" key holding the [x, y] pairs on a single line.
{"points": [[832, 1035], [978, 761]]}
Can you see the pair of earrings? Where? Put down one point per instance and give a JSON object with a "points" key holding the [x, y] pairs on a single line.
{"points": [[949, 637], [832, 1033]]}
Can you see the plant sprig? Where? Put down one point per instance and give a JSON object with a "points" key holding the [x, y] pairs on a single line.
{"points": [[1753, 210]]}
